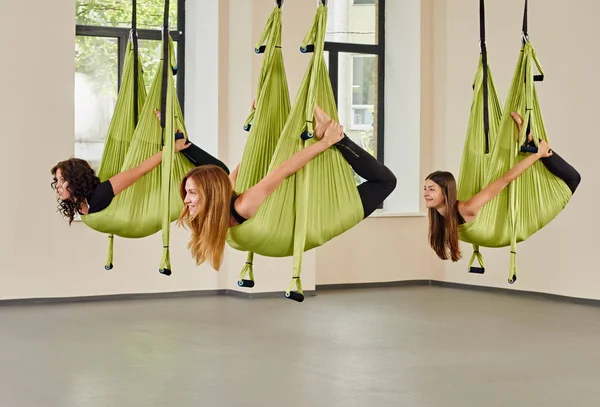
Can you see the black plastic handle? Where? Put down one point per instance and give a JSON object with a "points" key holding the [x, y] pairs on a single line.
{"points": [[529, 149], [246, 283], [305, 136], [295, 296], [309, 48]]}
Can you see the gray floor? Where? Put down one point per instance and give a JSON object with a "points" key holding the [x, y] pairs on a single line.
{"points": [[421, 346]]}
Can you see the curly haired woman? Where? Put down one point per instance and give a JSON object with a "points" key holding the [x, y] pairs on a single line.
{"points": [[80, 191]]}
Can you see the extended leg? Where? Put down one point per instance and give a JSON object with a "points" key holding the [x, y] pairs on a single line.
{"points": [[199, 157], [380, 181], [555, 163], [563, 170]]}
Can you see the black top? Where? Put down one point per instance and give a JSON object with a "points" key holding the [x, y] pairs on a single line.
{"points": [[461, 220], [101, 197], [239, 218]]}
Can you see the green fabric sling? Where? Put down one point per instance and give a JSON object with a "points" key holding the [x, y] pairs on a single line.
{"points": [[534, 198], [265, 123], [321, 200], [153, 202]]}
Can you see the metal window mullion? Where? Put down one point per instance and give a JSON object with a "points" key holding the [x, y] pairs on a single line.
{"points": [[122, 48], [116, 32], [381, 81], [181, 54], [375, 49], [334, 73]]}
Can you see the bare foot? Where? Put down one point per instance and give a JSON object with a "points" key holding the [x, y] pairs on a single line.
{"points": [[519, 121], [157, 114], [322, 121]]}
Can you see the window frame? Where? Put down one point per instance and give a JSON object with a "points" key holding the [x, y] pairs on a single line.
{"points": [[335, 48], [122, 34]]}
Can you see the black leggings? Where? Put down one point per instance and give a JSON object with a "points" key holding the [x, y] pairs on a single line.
{"points": [[562, 169], [380, 181], [199, 157]]}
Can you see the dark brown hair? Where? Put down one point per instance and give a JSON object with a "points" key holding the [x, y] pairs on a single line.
{"points": [[82, 182], [443, 230]]}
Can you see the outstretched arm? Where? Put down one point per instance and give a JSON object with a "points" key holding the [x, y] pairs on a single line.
{"points": [[125, 179], [250, 200], [474, 205]]}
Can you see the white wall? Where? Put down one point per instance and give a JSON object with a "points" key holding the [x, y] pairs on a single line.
{"points": [[202, 73], [392, 245], [560, 258], [428, 81], [70, 259], [42, 256], [402, 103]]}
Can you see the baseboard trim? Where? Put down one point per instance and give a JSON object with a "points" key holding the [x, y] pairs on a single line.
{"points": [[147, 296], [461, 286], [308, 293], [383, 284], [519, 293], [112, 297]]}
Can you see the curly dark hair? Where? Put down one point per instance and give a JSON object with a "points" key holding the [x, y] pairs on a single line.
{"points": [[82, 181]]}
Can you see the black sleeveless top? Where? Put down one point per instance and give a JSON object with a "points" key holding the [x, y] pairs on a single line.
{"points": [[461, 220], [239, 218], [101, 198]]}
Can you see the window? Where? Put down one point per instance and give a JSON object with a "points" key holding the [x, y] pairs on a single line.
{"points": [[364, 80], [355, 44], [103, 28]]}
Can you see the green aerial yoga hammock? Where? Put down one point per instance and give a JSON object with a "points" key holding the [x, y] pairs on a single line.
{"points": [[153, 202], [534, 198], [321, 200]]}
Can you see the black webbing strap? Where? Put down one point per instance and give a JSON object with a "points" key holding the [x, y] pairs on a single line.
{"points": [[525, 34], [166, 62], [486, 118], [536, 78], [135, 61]]}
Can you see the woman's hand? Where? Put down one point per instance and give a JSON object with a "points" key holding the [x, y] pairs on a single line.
{"points": [[333, 133], [543, 149], [181, 144]]}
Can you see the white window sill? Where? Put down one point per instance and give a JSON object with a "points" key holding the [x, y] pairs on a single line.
{"points": [[382, 213]]}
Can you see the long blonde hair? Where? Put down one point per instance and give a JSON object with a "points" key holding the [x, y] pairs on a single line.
{"points": [[209, 225], [443, 230]]}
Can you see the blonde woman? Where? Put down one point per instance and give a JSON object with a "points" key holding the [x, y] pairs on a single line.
{"points": [[211, 206]]}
